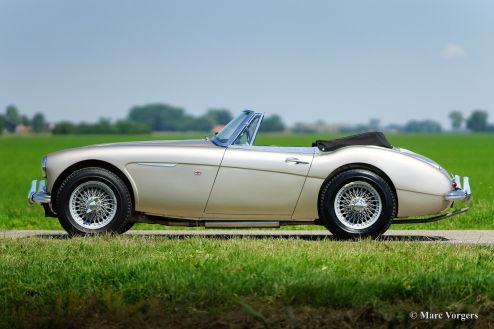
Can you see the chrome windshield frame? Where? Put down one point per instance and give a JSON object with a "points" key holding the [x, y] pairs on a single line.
{"points": [[261, 117], [251, 115]]}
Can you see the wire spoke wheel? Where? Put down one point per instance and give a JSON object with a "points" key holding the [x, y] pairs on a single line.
{"points": [[93, 205], [358, 205]]}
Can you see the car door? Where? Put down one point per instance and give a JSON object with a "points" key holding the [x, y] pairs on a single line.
{"points": [[259, 182], [175, 181]]}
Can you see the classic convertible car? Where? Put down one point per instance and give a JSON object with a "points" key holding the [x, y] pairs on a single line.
{"points": [[355, 186]]}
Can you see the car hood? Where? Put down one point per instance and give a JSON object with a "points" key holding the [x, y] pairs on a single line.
{"points": [[117, 146]]}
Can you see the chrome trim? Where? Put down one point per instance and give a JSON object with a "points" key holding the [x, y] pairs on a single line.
{"points": [[279, 149], [157, 164], [417, 156], [237, 132], [429, 219], [457, 181], [253, 137], [248, 119], [459, 193], [32, 189], [295, 161], [455, 195], [246, 126], [466, 185], [43, 166], [93, 205], [42, 186], [357, 205], [423, 159], [39, 196]]}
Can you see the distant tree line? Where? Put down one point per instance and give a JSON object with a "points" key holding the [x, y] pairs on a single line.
{"points": [[477, 121], [12, 120], [141, 120], [163, 117], [413, 126], [103, 126], [272, 123]]}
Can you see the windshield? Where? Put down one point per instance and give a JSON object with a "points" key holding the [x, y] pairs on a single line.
{"points": [[249, 133], [226, 133]]}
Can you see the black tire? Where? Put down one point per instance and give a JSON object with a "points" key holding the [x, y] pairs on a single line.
{"points": [[118, 223], [340, 224]]}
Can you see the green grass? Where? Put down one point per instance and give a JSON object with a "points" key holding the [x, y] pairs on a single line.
{"points": [[127, 281], [469, 154], [124, 280]]}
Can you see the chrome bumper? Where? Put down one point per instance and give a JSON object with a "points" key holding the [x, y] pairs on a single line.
{"points": [[459, 193], [40, 195]]}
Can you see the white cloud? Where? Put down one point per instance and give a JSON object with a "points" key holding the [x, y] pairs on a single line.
{"points": [[453, 50]]}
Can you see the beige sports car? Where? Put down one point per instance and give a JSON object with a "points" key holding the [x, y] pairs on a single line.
{"points": [[355, 186]]}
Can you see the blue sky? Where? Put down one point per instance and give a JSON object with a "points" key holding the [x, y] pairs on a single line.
{"points": [[343, 61]]}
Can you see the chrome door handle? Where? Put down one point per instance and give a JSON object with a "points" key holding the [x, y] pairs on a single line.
{"points": [[295, 161]]}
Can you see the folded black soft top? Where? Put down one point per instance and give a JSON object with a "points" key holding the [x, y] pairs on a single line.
{"points": [[370, 138]]}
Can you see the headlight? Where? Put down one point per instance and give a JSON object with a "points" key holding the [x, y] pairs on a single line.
{"points": [[43, 166]]}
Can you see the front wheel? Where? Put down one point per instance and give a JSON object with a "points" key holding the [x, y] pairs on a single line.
{"points": [[92, 201], [356, 204]]}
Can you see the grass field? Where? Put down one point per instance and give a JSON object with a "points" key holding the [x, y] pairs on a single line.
{"points": [[131, 282], [470, 155], [135, 282]]}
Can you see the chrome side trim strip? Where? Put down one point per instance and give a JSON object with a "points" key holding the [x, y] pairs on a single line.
{"points": [[279, 149], [157, 164]]}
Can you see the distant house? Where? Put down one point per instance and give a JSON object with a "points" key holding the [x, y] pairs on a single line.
{"points": [[21, 129], [217, 128]]}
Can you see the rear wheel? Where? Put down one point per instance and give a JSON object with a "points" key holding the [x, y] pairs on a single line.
{"points": [[92, 201], [356, 204]]}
